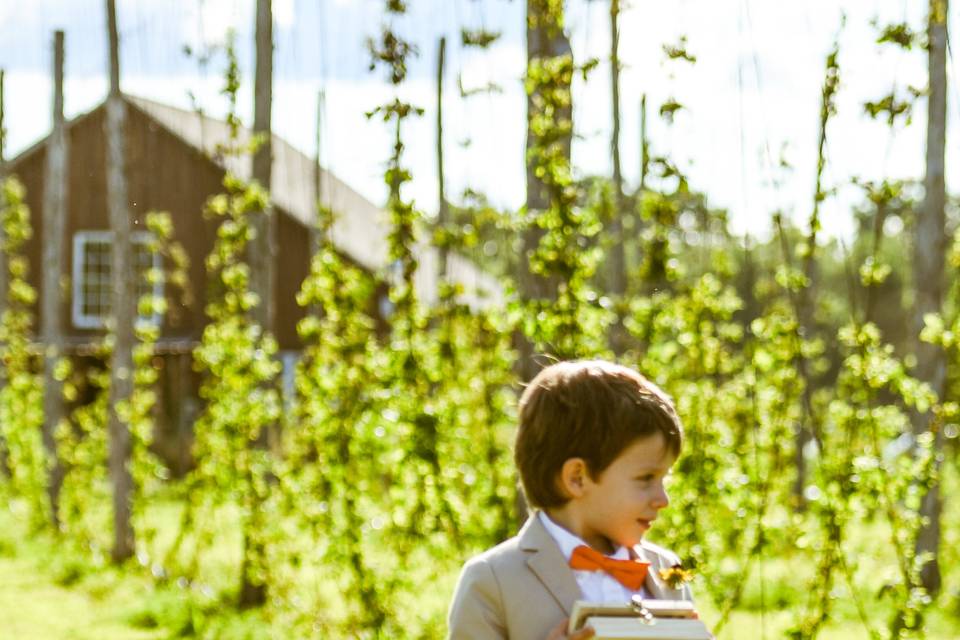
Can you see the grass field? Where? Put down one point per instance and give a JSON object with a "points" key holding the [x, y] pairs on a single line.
{"points": [[51, 591]]}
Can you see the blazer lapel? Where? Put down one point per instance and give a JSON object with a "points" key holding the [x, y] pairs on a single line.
{"points": [[655, 585], [548, 564]]}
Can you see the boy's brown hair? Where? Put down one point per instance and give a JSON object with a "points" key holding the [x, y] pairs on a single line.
{"points": [[587, 409]]}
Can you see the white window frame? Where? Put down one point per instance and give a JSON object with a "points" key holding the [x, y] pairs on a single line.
{"points": [[80, 241]]}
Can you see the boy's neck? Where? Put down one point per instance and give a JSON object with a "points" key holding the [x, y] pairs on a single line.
{"points": [[567, 517]]}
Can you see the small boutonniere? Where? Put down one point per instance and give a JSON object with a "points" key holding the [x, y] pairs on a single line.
{"points": [[676, 576]]}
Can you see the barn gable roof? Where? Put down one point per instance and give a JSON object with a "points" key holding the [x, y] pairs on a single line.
{"points": [[360, 227], [359, 231]]}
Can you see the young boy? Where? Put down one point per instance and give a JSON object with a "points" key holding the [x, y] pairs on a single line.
{"points": [[594, 445]]}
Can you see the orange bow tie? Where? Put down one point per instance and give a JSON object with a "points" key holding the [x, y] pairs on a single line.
{"points": [[629, 573]]}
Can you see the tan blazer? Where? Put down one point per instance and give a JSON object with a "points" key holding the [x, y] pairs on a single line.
{"points": [[522, 588]]}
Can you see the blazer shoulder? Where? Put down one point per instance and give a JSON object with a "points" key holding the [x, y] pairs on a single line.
{"points": [[506, 553], [479, 607], [663, 555]]}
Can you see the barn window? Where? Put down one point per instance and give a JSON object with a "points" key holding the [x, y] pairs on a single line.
{"points": [[92, 255]]}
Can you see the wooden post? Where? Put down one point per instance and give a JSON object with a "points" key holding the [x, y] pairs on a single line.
{"points": [[51, 304], [618, 258], [263, 246], [3, 176], [644, 144], [543, 41], [442, 211], [315, 239], [879, 217], [929, 258], [3, 132], [122, 303], [323, 224], [4, 461], [262, 255]]}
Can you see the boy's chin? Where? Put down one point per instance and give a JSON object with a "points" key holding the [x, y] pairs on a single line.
{"points": [[629, 541], [636, 536]]}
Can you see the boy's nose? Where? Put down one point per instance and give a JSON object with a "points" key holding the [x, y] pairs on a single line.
{"points": [[661, 499]]}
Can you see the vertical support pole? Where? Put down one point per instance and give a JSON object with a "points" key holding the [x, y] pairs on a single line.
{"points": [[315, 239], [323, 225], [263, 247], [263, 257], [4, 461], [930, 247], [618, 258], [122, 303], [644, 144], [3, 131], [3, 176], [51, 304], [546, 39], [442, 211]]}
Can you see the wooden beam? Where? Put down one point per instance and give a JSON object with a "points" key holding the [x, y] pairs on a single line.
{"points": [[262, 256], [55, 183], [442, 212], [929, 259], [122, 304], [263, 249]]}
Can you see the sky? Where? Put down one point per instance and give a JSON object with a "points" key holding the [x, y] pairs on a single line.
{"points": [[751, 100]]}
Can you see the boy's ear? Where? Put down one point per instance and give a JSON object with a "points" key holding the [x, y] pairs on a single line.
{"points": [[573, 477]]}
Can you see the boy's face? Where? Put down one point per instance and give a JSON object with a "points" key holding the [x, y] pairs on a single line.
{"points": [[618, 507]]}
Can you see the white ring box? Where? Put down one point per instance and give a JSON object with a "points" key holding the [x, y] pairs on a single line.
{"points": [[640, 619]]}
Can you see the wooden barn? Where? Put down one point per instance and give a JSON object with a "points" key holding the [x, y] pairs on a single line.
{"points": [[172, 165]]}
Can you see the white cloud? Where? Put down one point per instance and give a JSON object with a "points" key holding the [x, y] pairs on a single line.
{"points": [[29, 120], [503, 66], [284, 13], [207, 22]]}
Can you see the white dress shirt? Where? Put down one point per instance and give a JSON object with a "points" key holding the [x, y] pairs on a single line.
{"points": [[596, 586]]}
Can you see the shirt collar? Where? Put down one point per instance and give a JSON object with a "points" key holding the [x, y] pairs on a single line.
{"points": [[568, 541]]}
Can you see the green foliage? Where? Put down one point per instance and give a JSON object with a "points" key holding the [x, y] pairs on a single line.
{"points": [[669, 108], [861, 471], [828, 108], [397, 439], [334, 474], [82, 448], [571, 320], [236, 432], [393, 51], [399, 432], [899, 34], [21, 397], [146, 469], [679, 51], [82, 440], [891, 106], [231, 87], [740, 396], [237, 358], [480, 38]]}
